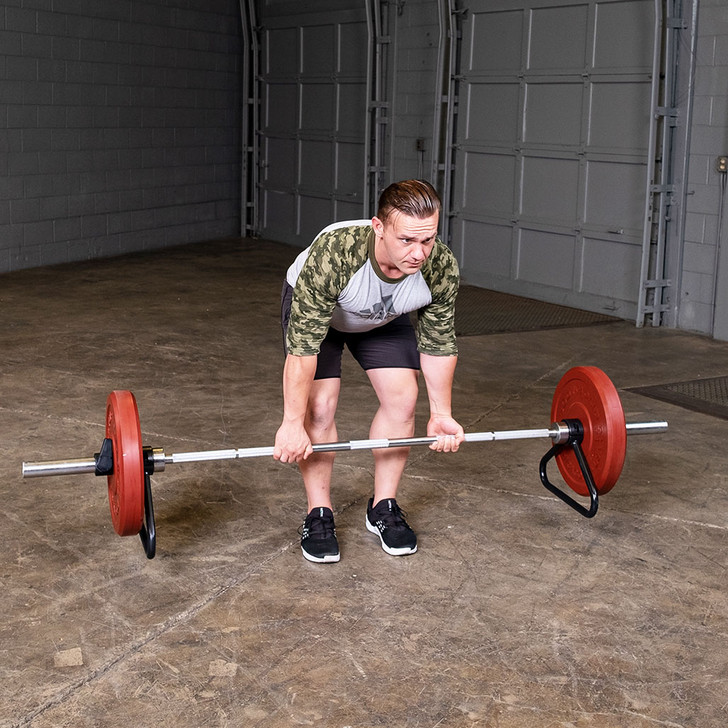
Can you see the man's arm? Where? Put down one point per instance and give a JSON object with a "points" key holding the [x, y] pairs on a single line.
{"points": [[439, 372], [292, 442]]}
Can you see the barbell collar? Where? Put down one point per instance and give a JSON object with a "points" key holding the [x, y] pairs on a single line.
{"points": [[157, 459]]}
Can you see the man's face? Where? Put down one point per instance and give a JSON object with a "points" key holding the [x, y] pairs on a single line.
{"points": [[403, 242]]}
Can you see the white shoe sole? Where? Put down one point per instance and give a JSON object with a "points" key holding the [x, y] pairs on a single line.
{"points": [[392, 552]]}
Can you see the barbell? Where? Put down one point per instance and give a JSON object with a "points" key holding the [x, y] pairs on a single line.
{"points": [[588, 436]]}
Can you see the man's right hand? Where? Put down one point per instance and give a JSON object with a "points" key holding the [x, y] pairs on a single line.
{"points": [[292, 443]]}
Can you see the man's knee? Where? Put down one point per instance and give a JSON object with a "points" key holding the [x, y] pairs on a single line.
{"points": [[322, 406], [400, 400]]}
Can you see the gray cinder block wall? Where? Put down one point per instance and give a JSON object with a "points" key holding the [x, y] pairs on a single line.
{"points": [[701, 282], [119, 126]]}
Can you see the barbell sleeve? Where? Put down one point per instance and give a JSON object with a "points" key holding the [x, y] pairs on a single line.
{"points": [[59, 467]]}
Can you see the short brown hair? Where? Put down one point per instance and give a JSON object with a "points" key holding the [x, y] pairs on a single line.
{"points": [[412, 197]]}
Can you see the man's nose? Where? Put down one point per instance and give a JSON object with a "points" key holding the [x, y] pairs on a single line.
{"points": [[419, 252]]}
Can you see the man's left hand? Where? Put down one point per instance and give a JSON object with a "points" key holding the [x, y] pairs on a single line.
{"points": [[449, 434]]}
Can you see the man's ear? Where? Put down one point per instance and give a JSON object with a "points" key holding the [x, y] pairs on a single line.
{"points": [[378, 226]]}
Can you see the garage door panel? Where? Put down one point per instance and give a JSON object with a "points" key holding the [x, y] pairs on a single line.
{"points": [[318, 49], [282, 54], [489, 248], [348, 210], [558, 38], [624, 35], [282, 174], [348, 169], [310, 209], [352, 48], [351, 100], [490, 181], [492, 113], [316, 168], [281, 108], [553, 113], [610, 269], [550, 190], [615, 196], [318, 106], [496, 41], [546, 258], [620, 116], [279, 213]]}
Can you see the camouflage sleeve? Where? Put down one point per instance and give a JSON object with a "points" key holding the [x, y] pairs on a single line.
{"points": [[436, 322], [334, 257]]}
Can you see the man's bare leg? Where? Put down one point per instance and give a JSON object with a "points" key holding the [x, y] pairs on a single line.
{"points": [[321, 427]]}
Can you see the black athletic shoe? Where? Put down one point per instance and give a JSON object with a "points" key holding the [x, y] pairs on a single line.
{"points": [[386, 519], [318, 537]]}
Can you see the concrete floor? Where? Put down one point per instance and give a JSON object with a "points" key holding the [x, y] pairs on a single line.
{"points": [[516, 612]]}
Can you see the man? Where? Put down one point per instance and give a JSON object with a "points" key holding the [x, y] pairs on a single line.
{"points": [[356, 285]]}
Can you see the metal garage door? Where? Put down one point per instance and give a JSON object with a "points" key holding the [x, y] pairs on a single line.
{"points": [[552, 146], [313, 97]]}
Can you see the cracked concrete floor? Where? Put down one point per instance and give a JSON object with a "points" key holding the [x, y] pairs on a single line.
{"points": [[516, 612]]}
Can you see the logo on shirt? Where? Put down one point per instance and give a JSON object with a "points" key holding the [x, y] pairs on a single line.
{"points": [[379, 311]]}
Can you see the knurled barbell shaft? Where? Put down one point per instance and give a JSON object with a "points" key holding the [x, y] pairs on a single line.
{"points": [[557, 433]]}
